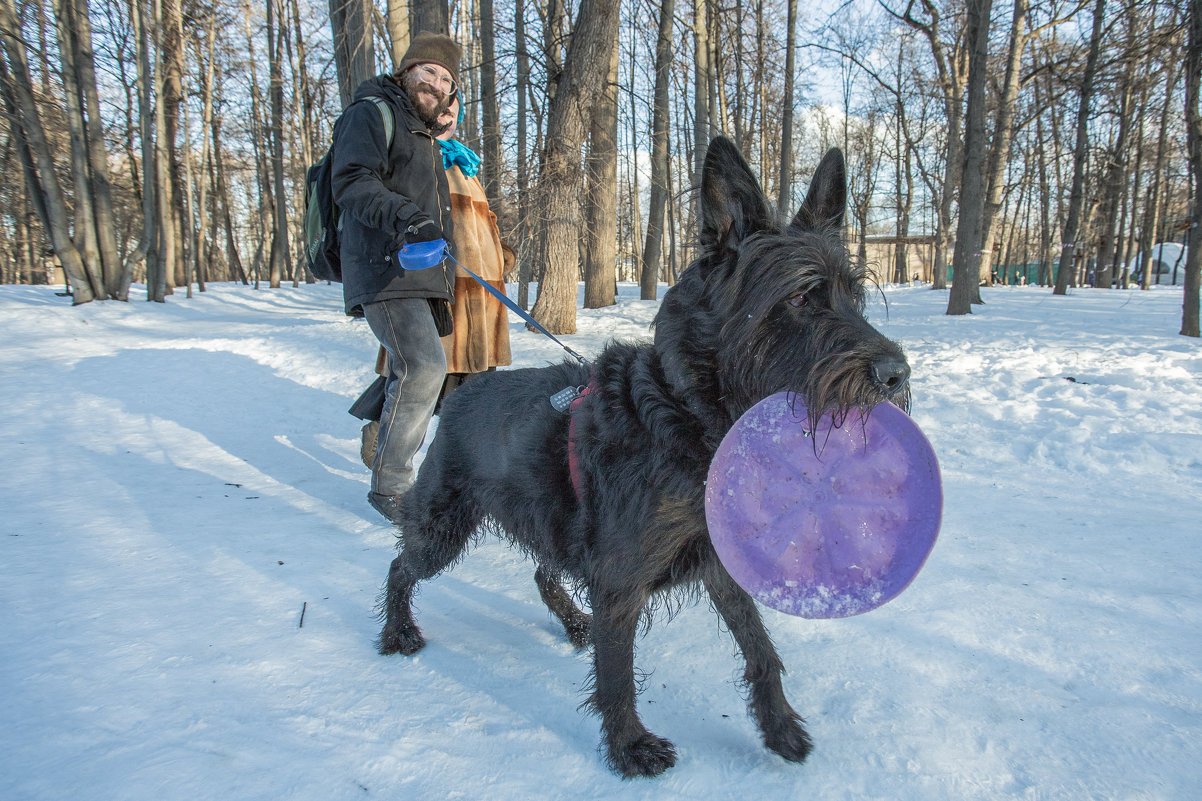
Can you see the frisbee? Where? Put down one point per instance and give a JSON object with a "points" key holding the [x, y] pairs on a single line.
{"points": [[827, 523], [422, 255]]}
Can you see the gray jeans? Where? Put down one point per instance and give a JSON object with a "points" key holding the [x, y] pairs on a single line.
{"points": [[417, 366]]}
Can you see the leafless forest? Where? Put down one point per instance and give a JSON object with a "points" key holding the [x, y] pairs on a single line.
{"points": [[164, 143]]}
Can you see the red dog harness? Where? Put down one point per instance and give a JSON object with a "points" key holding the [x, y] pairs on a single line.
{"points": [[573, 455]]}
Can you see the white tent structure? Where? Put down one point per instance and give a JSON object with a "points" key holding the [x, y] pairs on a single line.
{"points": [[1168, 264]]}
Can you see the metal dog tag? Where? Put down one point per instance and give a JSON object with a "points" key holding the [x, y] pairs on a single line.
{"points": [[562, 400]]}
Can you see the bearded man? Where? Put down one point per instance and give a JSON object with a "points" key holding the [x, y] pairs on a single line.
{"points": [[391, 188]]}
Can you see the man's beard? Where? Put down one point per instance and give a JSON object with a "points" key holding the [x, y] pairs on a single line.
{"points": [[429, 103]]}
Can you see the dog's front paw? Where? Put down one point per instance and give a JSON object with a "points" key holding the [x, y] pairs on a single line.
{"points": [[646, 755], [400, 640], [787, 737]]}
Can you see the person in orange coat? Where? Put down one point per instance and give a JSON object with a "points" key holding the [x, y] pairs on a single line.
{"points": [[480, 339]]}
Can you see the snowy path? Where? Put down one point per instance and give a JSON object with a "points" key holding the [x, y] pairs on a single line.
{"points": [[180, 480]]}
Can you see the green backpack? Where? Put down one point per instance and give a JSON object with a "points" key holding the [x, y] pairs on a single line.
{"points": [[321, 214]]}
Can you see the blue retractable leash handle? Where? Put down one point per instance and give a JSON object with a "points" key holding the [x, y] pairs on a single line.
{"points": [[424, 255]]}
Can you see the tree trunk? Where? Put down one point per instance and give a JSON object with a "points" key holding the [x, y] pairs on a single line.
{"points": [[553, 41], [398, 30], [949, 69], [784, 197], [523, 167], [701, 90], [965, 288], [147, 248], [187, 229], [560, 176], [1193, 119], [491, 122], [429, 15], [999, 151], [601, 227], [84, 210], [632, 242], [354, 49], [1116, 176], [205, 60], [174, 223], [653, 249], [903, 175], [1152, 205], [760, 96], [99, 180], [18, 91], [281, 260], [261, 148], [1080, 155], [238, 271], [1042, 147], [905, 202]]}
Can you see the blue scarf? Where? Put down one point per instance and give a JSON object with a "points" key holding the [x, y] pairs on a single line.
{"points": [[455, 152]]}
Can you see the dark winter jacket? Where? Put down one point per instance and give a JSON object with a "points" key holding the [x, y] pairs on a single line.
{"points": [[380, 191]]}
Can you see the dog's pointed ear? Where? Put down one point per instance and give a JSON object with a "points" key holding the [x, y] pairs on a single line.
{"points": [[826, 201], [732, 203]]}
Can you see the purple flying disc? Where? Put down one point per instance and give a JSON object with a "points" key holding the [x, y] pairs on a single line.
{"points": [[823, 524], [422, 255]]}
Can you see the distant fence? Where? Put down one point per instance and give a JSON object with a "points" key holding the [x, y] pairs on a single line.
{"points": [[1011, 274]]}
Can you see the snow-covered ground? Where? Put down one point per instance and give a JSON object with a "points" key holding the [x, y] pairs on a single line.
{"points": [[181, 481]]}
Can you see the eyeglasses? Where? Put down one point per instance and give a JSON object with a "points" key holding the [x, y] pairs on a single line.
{"points": [[433, 77]]}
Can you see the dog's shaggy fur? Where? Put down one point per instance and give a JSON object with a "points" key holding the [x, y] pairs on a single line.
{"points": [[766, 308]]}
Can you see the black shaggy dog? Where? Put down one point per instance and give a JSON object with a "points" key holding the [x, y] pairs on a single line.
{"points": [[765, 308]]}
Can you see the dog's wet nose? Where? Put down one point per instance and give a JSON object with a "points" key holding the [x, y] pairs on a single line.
{"points": [[889, 374]]}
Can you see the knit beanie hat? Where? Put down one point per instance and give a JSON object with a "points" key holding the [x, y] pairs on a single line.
{"points": [[433, 48]]}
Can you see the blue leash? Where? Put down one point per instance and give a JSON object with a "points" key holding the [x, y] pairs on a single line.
{"points": [[423, 255]]}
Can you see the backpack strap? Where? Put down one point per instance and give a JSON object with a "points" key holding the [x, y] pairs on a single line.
{"points": [[386, 115]]}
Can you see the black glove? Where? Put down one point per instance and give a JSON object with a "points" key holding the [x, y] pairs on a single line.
{"points": [[422, 229]]}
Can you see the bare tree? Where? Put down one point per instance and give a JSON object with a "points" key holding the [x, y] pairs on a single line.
{"points": [[1193, 117], [950, 59], [429, 15], [999, 149], [1151, 220], [491, 128], [863, 150], [1080, 154], [79, 66], [601, 216], [354, 50], [965, 288], [702, 45], [785, 183], [398, 29], [1116, 174], [281, 260], [523, 222], [34, 148], [653, 248], [560, 176]]}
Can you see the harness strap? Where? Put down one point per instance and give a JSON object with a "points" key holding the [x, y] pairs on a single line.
{"points": [[573, 454]]}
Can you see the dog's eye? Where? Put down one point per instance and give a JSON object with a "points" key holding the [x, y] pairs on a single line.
{"points": [[798, 301]]}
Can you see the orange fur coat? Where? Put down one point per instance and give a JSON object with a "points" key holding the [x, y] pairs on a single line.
{"points": [[481, 336]]}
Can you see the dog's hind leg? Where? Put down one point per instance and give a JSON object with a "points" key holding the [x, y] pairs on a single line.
{"points": [[631, 750], [433, 535], [782, 728], [575, 622]]}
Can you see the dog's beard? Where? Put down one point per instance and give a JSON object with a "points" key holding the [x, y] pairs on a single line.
{"points": [[824, 359]]}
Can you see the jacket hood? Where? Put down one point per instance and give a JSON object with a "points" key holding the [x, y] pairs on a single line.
{"points": [[385, 86], [380, 85]]}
